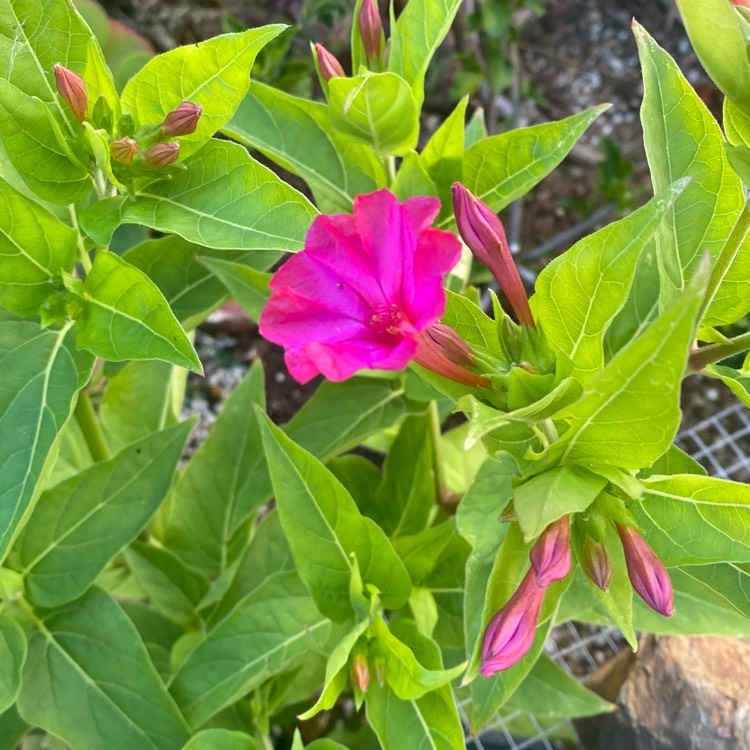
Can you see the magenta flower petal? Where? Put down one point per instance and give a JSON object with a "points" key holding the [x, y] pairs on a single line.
{"points": [[362, 290], [550, 556]]}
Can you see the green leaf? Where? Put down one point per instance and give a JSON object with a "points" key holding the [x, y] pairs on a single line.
{"points": [[406, 497], [264, 634], [336, 671], [223, 199], [267, 553], [12, 729], [551, 495], [736, 380], [325, 530], [213, 74], [36, 36], [736, 124], [89, 680], [247, 285], [412, 179], [548, 690], [378, 109], [297, 135], [420, 552], [34, 247], [142, 398], [416, 35], [682, 138], [219, 476], [427, 722], [159, 634], [707, 21], [690, 519], [504, 167], [174, 590], [35, 145], [191, 290], [730, 582], [125, 316], [629, 412], [581, 291], [13, 649], [221, 739], [82, 523], [42, 374]]}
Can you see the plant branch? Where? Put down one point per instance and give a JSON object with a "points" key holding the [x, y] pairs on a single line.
{"points": [[91, 427], [707, 355]]}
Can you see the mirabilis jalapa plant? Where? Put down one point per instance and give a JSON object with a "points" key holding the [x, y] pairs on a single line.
{"points": [[146, 606]]}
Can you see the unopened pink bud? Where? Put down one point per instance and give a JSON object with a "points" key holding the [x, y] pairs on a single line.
{"points": [[550, 556], [511, 631], [452, 345], [329, 66], [360, 672], [433, 357], [161, 155], [182, 120], [123, 150], [742, 3], [484, 235], [72, 88], [370, 29], [596, 562], [646, 571]]}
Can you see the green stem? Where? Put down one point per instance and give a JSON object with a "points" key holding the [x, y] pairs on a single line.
{"points": [[390, 168], [441, 487], [706, 355], [727, 256], [91, 427], [82, 252]]}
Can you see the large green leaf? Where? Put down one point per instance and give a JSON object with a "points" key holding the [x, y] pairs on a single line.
{"points": [[728, 581], [629, 412], [42, 372], [35, 145], [222, 474], [549, 690], [416, 35], [580, 292], [12, 729], [325, 530], [35, 36], [82, 523], [125, 316], [13, 649], [504, 167], [34, 247], [89, 680], [378, 109], [214, 74], [690, 519], [738, 381], [221, 739], [141, 398], [683, 139], [297, 135], [224, 199], [717, 38], [264, 634]]}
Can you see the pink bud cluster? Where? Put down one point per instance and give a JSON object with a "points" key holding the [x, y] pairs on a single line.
{"points": [[510, 633]]}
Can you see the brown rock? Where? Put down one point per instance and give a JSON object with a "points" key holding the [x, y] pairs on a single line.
{"points": [[676, 693]]}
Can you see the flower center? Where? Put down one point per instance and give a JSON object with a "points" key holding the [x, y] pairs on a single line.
{"points": [[386, 319]]}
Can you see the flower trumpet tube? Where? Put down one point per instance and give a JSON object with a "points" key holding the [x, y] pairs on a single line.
{"points": [[550, 556], [328, 65], [441, 350], [511, 632], [484, 235], [182, 120], [363, 289], [646, 571], [72, 88]]}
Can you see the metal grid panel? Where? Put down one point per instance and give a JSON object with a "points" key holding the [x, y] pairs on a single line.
{"points": [[721, 443]]}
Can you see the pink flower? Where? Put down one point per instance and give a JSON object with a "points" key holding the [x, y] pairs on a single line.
{"points": [[370, 29], [183, 120], [329, 66], [511, 631], [363, 288], [72, 88], [646, 571], [550, 556]]}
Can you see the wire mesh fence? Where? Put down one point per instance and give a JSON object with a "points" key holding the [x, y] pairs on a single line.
{"points": [[721, 443]]}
